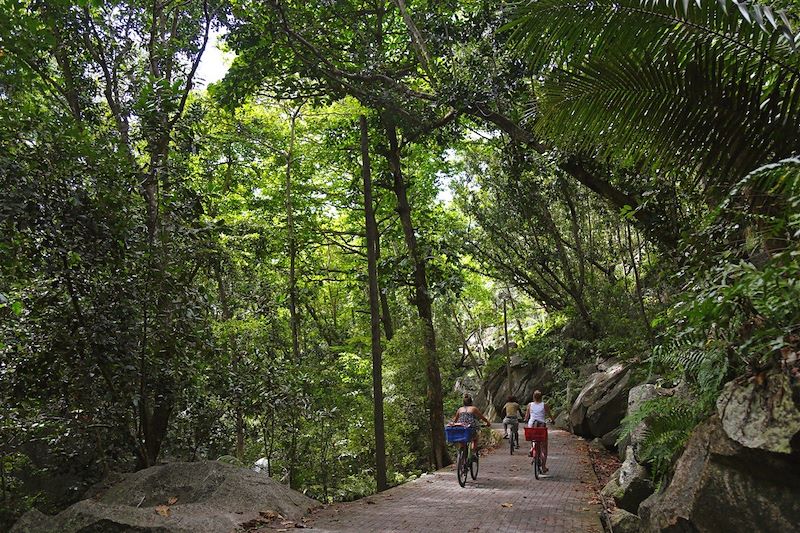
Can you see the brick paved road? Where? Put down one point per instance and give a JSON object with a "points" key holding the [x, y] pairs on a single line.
{"points": [[559, 502]]}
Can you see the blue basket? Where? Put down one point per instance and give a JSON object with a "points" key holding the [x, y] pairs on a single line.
{"points": [[458, 433]]}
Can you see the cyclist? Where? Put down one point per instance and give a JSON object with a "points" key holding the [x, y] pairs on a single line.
{"points": [[537, 414], [469, 415], [513, 413]]}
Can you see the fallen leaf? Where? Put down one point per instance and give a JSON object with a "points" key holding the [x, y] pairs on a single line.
{"points": [[163, 510], [172, 501], [506, 505], [269, 515]]}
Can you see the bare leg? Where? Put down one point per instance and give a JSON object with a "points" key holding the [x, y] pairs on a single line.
{"points": [[544, 455]]}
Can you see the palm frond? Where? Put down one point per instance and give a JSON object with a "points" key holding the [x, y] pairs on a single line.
{"points": [[767, 198], [710, 89], [556, 32]]}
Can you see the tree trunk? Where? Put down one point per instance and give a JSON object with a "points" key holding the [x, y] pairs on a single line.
{"points": [[293, 319], [237, 403], [639, 296], [422, 301], [374, 309], [386, 315], [508, 348], [292, 241]]}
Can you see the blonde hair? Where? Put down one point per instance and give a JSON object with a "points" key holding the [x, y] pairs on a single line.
{"points": [[537, 396]]}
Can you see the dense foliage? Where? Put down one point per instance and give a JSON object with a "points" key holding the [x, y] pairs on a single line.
{"points": [[183, 272]]}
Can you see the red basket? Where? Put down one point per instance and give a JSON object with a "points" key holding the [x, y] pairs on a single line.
{"points": [[536, 434]]}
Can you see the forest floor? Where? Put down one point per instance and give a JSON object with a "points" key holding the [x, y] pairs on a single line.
{"points": [[504, 498]]}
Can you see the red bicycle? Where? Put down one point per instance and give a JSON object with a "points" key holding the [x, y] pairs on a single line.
{"points": [[537, 437]]}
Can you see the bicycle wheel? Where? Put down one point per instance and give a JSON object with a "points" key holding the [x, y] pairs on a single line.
{"points": [[537, 463], [511, 442], [461, 467], [473, 466]]}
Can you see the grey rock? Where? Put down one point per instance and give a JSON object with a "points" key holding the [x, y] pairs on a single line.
{"points": [[623, 522], [636, 397], [760, 415], [612, 487], [609, 440], [604, 364], [720, 485], [634, 482], [261, 466], [210, 497], [561, 421], [495, 391], [602, 402], [629, 485], [597, 444]]}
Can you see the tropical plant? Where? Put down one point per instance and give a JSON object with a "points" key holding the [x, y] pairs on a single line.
{"points": [[700, 88], [665, 424]]}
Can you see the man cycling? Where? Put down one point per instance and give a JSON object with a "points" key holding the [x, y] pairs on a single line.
{"points": [[513, 412]]}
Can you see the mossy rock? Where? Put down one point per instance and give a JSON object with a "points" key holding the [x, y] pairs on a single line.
{"points": [[231, 460]]}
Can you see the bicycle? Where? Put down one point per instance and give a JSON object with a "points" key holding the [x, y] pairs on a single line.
{"points": [[513, 439], [467, 461], [537, 436]]}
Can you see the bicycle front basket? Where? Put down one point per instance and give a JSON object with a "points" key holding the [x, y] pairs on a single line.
{"points": [[536, 434], [458, 433]]}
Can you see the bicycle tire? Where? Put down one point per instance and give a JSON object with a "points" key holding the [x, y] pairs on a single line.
{"points": [[461, 470], [473, 467], [536, 463], [511, 442]]}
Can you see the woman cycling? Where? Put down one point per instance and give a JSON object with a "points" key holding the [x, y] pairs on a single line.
{"points": [[469, 415], [513, 412], [537, 414]]}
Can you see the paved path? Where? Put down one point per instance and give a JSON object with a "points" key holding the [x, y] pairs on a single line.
{"points": [[504, 498]]}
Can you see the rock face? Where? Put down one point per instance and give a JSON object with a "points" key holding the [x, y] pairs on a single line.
{"points": [[720, 485], [602, 402], [636, 397], [201, 497], [749, 413], [495, 391], [622, 521], [629, 485], [561, 421]]}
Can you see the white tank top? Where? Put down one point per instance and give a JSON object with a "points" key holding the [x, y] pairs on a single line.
{"points": [[537, 413]]}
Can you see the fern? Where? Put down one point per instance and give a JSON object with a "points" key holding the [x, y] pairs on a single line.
{"points": [[669, 422]]}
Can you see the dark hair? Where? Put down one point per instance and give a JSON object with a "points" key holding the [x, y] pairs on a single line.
{"points": [[467, 399], [537, 396], [512, 398]]}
